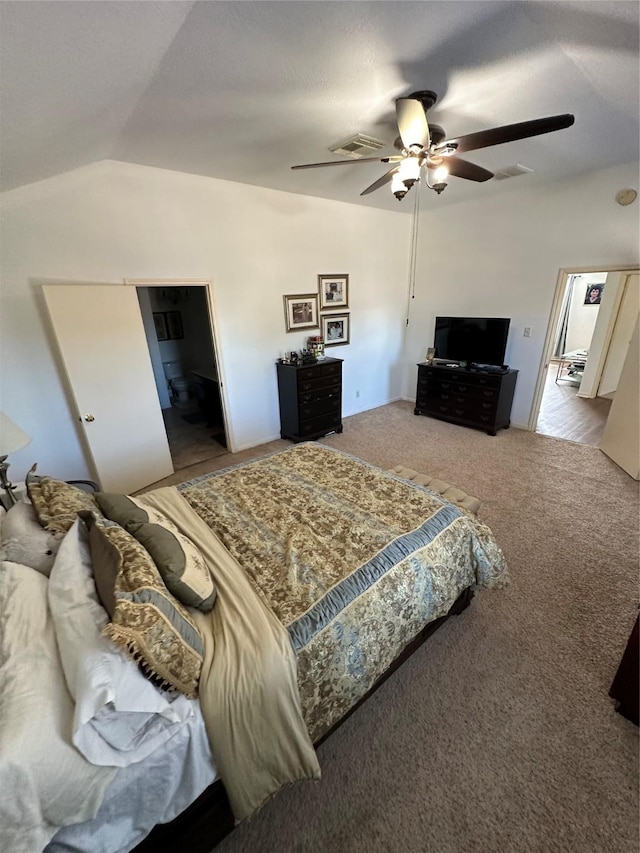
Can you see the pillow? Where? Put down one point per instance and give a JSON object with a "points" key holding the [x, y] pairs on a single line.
{"points": [[180, 563], [45, 781], [24, 541], [57, 503], [119, 716], [147, 621]]}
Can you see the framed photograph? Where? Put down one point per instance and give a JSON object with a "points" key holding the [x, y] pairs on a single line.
{"points": [[161, 326], [593, 294], [301, 311], [174, 325], [334, 291], [335, 329]]}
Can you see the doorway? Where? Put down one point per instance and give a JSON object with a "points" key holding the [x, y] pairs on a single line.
{"points": [[563, 413], [185, 363], [589, 314]]}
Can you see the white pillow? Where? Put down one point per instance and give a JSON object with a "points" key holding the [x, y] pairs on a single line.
{"points": [[44, 780], [23, 540], [120, 717]]}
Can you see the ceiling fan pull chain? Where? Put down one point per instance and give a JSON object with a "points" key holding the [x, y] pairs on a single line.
{"points": [[413, 251]]}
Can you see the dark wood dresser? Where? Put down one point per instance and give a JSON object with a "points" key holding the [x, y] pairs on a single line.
{"points": [[625, 688], [468, 397], [310, 399]]}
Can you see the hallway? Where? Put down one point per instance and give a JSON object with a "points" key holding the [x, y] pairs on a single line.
{"points": [[565, 415]]}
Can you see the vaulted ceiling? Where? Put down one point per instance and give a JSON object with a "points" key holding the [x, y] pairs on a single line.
{"points": [[244, 90]]}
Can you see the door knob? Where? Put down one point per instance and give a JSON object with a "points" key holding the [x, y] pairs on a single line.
{"points": [[89, 418]]}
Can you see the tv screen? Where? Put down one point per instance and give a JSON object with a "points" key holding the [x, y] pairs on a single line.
{"points": [[475, 340]]}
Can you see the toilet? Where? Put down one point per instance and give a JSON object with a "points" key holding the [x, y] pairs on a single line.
{"points": [[179, 386]]}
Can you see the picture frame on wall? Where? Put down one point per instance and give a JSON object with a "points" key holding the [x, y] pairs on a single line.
{"points": [[160, 323], [333, 291], [175, 330], [593, 296], [301, 311], [335, 329]]}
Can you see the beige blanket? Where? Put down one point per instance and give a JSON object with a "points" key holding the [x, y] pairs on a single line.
{"points": [[248, 689]]}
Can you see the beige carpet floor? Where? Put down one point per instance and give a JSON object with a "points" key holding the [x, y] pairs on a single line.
{"points": [[498, 735]]}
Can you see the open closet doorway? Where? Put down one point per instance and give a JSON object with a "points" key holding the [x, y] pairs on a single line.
{"points": [[181, 340], [587, 341]]}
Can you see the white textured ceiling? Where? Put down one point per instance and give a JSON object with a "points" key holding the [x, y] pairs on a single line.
{"points": [[244, 90]]}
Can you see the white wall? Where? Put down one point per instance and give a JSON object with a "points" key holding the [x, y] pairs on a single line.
{"points": [[500, 256], [582, 318], [497, 255], [112, 221]]}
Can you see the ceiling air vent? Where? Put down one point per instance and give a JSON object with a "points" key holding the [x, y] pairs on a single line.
{"points": [[358, 146], [512, 172]]}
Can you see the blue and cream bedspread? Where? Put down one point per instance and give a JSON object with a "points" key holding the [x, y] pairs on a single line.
{"points": [[352, 560]]}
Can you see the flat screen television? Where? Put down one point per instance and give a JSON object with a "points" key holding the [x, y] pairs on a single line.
{"points": [[474, 340]]}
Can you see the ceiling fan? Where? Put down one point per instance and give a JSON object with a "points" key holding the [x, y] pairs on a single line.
{"points": [[425, 146]]}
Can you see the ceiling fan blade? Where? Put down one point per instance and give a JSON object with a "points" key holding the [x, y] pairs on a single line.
{"points": [[385, 179], [464, 169], [391, 159], [412, 123], [508, 133]]}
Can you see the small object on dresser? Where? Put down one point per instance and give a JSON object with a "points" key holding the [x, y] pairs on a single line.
{"points": [[315, 344]]}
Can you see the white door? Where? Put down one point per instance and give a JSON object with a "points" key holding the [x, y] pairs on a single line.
{"points": [[622, 332], [621, 436], [103, 346]]}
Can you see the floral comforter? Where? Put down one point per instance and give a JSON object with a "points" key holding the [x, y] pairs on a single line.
{"points": [[352, 560]]}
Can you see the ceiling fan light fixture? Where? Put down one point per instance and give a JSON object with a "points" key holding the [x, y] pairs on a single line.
{"points": [[398, 187], [410, 171], [440, 173]]}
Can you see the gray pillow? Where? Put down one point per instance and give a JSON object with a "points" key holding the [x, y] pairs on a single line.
{"points": [[180, 563], [23, 540]]}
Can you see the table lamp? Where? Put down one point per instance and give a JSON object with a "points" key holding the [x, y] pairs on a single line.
{"points": [[12, 438]]}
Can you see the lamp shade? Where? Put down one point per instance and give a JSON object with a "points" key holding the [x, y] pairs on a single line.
{"points": [[12, 438]]}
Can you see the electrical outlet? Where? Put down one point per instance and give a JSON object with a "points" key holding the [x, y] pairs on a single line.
{"points": [[357, 394], [527, 331]]}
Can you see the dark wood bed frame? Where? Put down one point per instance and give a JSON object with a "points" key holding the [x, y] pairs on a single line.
{"points": [[208, 819]]}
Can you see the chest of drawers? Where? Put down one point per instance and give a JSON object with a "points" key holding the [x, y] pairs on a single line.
{"points": [[467, 397], [310, 397]]}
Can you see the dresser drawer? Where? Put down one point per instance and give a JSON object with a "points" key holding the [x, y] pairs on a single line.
{"points": [[437, 407], [325, 422], [334, 370], [475, 390], [319, 393], [317, 382], [474, 401], [319, 407], [319, 372]]}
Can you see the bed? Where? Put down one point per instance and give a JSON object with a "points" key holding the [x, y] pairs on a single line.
{"points": [[198, 641]]}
